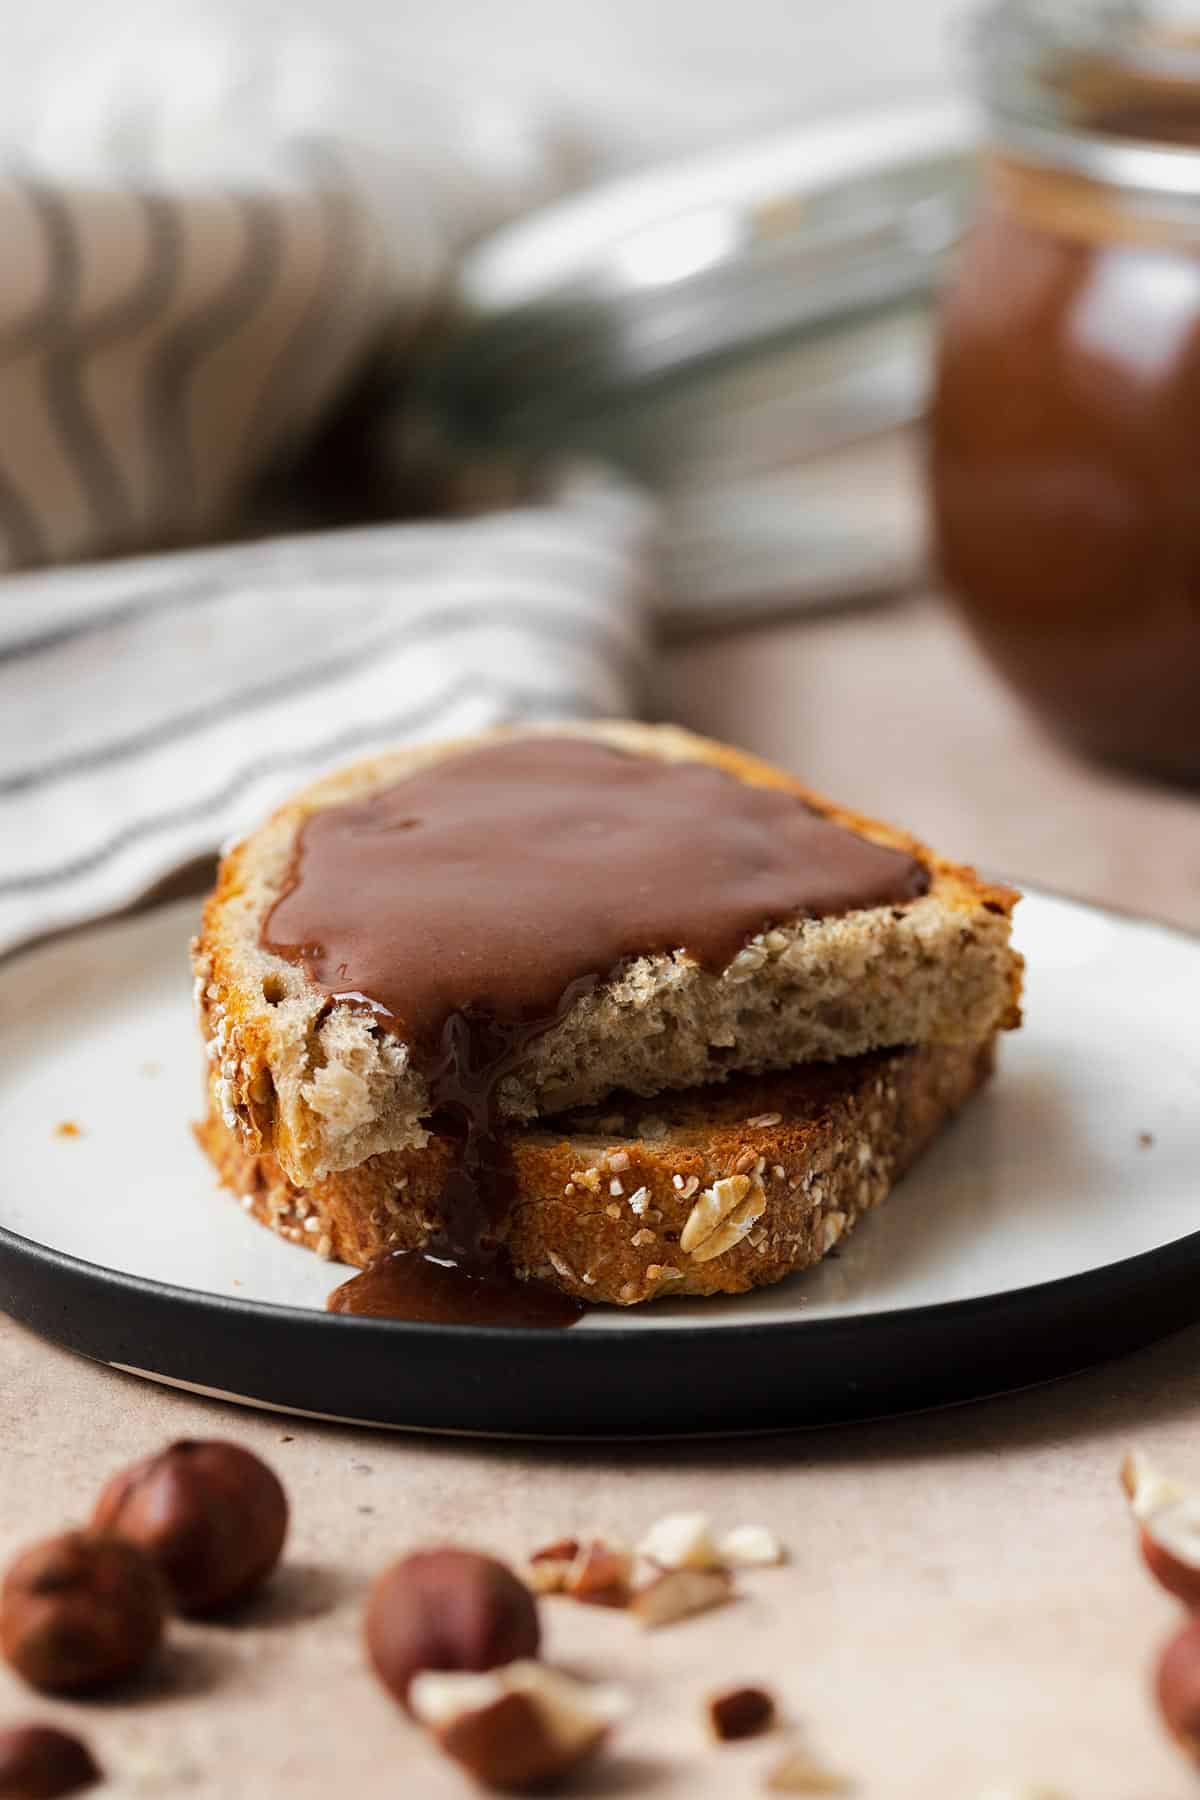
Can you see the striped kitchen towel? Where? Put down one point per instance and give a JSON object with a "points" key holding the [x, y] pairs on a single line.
{"points": [[152, 708], [208, 226]]}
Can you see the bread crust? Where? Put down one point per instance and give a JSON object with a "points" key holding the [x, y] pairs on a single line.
{"points": [[605, 1197], [322, 1089]]}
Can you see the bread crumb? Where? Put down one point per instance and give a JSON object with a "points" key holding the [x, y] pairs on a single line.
{"points": [[1145, 1139], [67, 1128]]}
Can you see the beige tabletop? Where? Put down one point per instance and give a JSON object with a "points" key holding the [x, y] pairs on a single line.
{"points": [[963, 1609]]}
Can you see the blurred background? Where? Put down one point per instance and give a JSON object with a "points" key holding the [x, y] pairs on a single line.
{"points": [[637, 81]]}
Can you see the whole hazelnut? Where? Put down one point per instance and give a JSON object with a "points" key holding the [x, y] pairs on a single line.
{"points": [[1177, 1686], [447, 1609], [212, 1515], [38, 1762], [80, 1611]]}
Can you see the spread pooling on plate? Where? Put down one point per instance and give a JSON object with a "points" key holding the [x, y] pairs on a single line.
{"points": [[471, 904]]}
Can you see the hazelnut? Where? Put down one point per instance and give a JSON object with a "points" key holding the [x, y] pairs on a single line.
{"points": [[561, 1550], [600, 1574], [212, 1515], [799, 1772], [1145, 1487], [740, 1713], [1169, 1538], [520, 1726], [678, 1594], [38, 1762], [1177, 1686], [548, 1568], [447, 1609], [681, 1541], [750, 1547], [80, 1612]]}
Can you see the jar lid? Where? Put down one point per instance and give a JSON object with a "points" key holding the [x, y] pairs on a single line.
{"points": [[1108, 89], [654, 277]]}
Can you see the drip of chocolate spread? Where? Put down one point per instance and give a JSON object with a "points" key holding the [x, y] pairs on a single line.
{"points": [[472, 904], [462, 1275]]}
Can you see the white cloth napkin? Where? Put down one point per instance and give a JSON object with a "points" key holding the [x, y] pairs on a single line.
{"points": [[152, 708]]}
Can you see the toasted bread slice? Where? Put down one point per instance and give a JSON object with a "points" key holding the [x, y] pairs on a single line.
{"points": [[715, 1190], [322, 1087]]}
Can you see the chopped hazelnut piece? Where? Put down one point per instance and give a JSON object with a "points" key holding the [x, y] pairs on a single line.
{"points": [[799, 1772], [517, 1727], [1146, 1489], [549, 1567], [1021, 1790], [749, 1547], [681, 1541], [678, 1594], [564, 1549], [600, 1574], [547, 1577], [740, 1712]]}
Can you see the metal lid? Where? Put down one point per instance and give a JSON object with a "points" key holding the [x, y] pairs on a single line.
{"points": [[653, 277]]}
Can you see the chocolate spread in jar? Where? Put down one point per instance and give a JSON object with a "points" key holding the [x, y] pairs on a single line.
{"points": [[471, 904], [1065, 441]]}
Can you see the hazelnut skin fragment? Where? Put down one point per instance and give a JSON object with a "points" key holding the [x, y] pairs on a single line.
{"points": [[212, 1516], [447, 1609], [740, 1713]]}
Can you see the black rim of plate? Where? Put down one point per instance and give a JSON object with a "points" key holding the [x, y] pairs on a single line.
{"points": [[686, 1379]]}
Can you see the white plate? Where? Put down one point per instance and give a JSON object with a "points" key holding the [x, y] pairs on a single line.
{"points": [[1079, 1162]]}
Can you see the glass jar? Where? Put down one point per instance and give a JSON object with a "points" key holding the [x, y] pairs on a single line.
{"points": [[1065, 458]]}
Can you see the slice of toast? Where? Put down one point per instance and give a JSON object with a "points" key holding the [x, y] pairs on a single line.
{"points": [[321, 1087], [714, 1190]]}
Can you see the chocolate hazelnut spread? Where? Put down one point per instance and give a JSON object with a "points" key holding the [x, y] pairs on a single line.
{"points": [[470, 905], [1065, 443]]}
